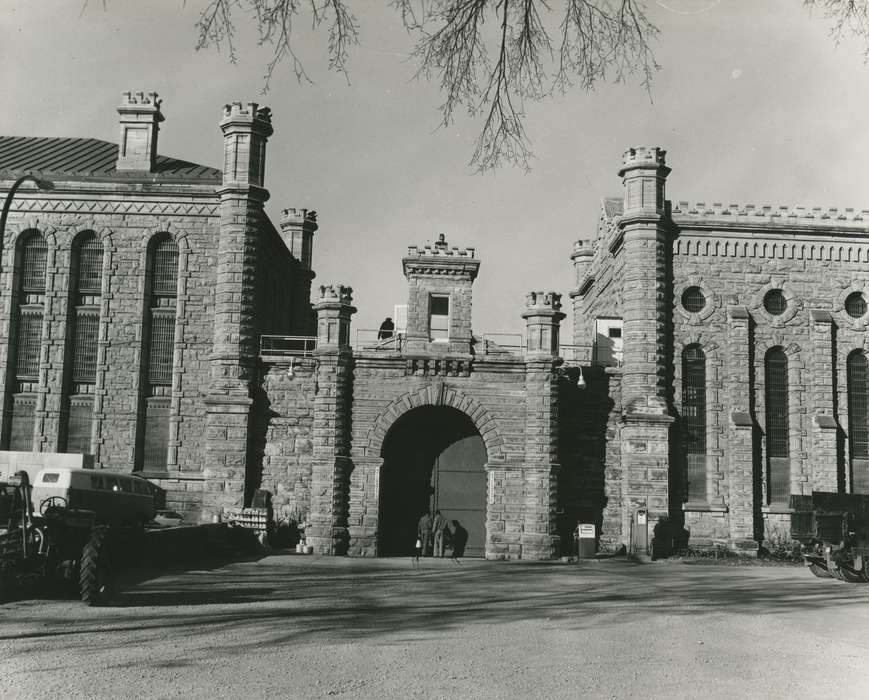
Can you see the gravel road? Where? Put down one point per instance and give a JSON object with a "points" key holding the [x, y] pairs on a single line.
{"points": [[311, 627]]}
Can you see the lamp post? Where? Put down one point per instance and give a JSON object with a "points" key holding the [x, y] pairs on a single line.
{"points": [[40, 184]]}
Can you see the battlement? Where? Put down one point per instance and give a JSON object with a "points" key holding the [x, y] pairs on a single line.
{"points": [[770, 213], [140, 101], [248, 112], [582, 249], [440, 248], [298, 215], [546, 301], [333, 293], [644, 156]]}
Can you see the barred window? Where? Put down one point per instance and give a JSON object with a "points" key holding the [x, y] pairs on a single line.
{"points": [[84, 363], [90, 265], [694, 399], [29, 342], [693, 299], [23, 423], [34, 252], [156, 448], [777, 425], [78, 439], [858, 420], [161, 347], [775, 303], [165, 270], [855, 305], [777, 403]]}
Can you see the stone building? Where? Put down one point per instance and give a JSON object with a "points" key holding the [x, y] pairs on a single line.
{"points": [[728, 345], [134, 290], [361, 441]]}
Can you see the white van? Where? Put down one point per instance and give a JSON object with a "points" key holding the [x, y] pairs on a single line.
{"points": [[115, 498]]}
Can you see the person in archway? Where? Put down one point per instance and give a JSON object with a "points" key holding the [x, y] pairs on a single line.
{"points": [[423, 532], [386, 329], [439, 526]]}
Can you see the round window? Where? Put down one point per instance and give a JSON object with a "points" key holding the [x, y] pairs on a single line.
{"points": [[693, 299], [774, 302], [855, 305]]}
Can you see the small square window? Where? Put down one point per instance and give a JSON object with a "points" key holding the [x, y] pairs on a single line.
{"points": [[439, 317]]}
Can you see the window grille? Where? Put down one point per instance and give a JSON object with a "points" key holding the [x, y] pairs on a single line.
{"points": [[161, 347], [84, 364], [34, 252], [29, 342], [165, 272], [693, 299], [858, 421], [855, 305], [696, 491], [777, 425], [23, 419], [78, 439], [156, 447], [90, 265], [774, 302], [694, 399]]}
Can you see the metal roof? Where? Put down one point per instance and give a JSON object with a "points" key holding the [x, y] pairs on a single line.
{"points": [[80, 157]]}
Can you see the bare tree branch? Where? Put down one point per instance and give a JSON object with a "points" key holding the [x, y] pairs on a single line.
{"points": [[848, 17]]}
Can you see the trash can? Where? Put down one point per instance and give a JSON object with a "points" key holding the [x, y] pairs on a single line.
{"points": [[586, 540]]}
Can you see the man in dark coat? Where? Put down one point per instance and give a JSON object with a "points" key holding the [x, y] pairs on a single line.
{"points": [[439, 526], [386, 329]]}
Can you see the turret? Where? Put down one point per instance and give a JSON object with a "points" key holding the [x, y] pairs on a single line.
{"points": [[139, 118], [246, 128]]}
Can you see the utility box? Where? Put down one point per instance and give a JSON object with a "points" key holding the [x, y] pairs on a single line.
{"points": [[640, 532], [586, 540]]}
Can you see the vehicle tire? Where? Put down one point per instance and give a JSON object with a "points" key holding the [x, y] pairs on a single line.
{"points": [[95, 576], [850, 575], [819, 571]]}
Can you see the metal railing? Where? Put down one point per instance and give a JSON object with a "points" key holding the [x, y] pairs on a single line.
{"points": [[368, 339], [289, 345], [514, 342]]}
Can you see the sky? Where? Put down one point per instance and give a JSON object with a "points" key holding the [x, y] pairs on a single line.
{"points": [[754, 103]]}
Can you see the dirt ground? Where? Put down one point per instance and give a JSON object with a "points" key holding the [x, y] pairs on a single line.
{"points": [[310, 627]]}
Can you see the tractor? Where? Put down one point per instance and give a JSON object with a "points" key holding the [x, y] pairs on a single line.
{"points": [[839, 545], [55, 544]]}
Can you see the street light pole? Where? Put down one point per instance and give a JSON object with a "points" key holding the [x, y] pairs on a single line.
{"points": [[40, 184]]}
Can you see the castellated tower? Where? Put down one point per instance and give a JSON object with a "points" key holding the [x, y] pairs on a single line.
{"points": [[245, 127], [645, 422], [440, 281], [139, 118]]}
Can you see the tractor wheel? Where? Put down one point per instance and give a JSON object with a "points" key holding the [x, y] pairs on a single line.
{"points": [[95, 577], [850, 575], [820, 571]]}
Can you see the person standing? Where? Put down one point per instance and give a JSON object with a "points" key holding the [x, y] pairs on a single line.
{"points": [[439, 526], [423, 531], [386, 329]]}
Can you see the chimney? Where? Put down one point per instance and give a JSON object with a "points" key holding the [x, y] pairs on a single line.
{"points": [[246, 128], [139, 119], [297, 230]]}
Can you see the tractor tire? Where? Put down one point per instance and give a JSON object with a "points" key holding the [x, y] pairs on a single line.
{"points": [[820, 571], [851, 575], [95, 576]]}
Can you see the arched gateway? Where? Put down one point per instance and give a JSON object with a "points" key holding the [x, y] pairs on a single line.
{"points": [[433, 459]]}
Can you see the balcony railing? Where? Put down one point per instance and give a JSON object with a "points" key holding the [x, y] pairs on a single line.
{"points": [[288, 345], [367, 339]]}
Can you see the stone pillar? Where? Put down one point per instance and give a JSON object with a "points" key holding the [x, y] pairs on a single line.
{"points": [[645, 422], [741, 429], [327, 528], [540, 473], [245, 129], [583, 323], [297, 230], [824, 456]]}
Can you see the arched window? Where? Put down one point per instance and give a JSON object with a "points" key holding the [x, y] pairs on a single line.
{"points": [[858, 421], [30, 302], [694, 420], [160, 349], [87, 274], [777, 427]]}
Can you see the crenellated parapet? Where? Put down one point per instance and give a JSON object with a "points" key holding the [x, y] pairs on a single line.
{"points": [[334, 309], [732, 215], [246, 128], [543, 318], [441, 259], [536, 302], [335, 294]]}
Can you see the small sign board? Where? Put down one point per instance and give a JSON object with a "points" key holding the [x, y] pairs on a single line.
{"points": [[586, 531]]}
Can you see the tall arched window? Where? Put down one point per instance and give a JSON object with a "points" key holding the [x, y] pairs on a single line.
{"points": [[87, 276], [858, 421], [694, 420], [160, 348], [30, 303], [777, 427]]}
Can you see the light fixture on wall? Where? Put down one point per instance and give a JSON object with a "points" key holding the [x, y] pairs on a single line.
{"points": [[580, 383]]}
